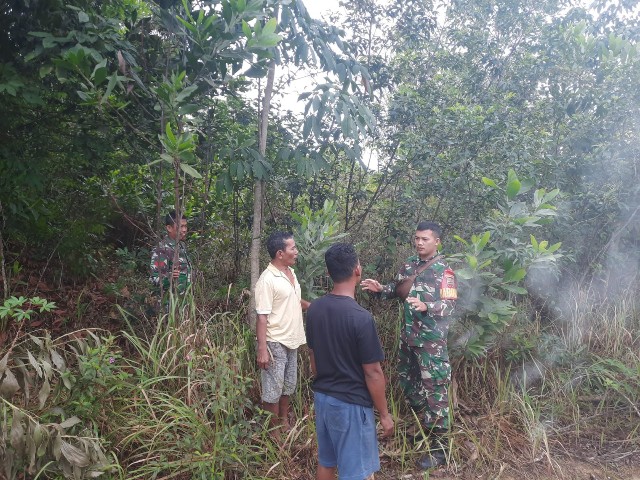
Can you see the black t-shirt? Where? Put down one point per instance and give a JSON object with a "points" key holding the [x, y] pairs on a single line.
{"points": [[343, 337]]}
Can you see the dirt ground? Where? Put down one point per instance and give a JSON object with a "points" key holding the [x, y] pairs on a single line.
{"points": [[563, 469], [577, 465]]}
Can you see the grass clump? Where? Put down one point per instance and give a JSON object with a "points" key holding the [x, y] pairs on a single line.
{"points": [[187, 412]]}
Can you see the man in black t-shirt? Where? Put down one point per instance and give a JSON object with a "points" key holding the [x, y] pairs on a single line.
{"points": [[348, 380]]}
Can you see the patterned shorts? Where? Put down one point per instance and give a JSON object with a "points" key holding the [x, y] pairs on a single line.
{"points": [[280, 377]]}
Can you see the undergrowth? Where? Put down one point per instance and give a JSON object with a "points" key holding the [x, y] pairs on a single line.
{"points": [[177, 397]]}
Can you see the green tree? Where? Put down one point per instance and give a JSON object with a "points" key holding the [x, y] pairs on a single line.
{"points": [[309, 41]]}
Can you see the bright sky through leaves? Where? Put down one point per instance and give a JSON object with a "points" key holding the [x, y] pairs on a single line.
{"points": [[318, 8]]}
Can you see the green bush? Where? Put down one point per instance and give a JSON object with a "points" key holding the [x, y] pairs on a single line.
{"points": [[492, 265], [44, 430]]}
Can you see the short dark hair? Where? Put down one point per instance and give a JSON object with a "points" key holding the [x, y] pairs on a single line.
{"points": [[433, 226], [171, 218], [341, 260], [277, 241]]}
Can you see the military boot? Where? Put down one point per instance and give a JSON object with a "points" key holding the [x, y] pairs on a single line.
{"points": [[437, 452], [432, 460]]}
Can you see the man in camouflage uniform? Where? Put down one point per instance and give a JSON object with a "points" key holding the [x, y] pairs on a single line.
{"points": [[424, 368], [163, 272]]}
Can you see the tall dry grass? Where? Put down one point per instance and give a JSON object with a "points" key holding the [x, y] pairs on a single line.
{"points": [[182, 398]]}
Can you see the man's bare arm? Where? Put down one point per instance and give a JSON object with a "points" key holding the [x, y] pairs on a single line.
{"points": [[262, 355], [374, 378], [313, 363]]}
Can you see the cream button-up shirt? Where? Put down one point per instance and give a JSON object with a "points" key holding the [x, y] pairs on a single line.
{"points": [[279, 299]]}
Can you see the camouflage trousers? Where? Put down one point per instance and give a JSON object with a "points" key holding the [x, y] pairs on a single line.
{"points": [[425, 374]]}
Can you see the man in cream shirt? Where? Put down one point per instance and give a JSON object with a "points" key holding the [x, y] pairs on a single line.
{"points": [[279, 327]]}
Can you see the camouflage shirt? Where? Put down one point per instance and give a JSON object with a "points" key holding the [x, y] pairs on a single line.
{"points": [[421, 327], [162, 266]]}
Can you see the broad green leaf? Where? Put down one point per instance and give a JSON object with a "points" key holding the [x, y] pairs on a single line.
{"points": [[270, 27], [166, 157], [284, 153], [483, 241], [186, 93], [515, 274], [551, 195], [526, 220], [513, 187], [112, 83], [246, 29], [259, 170], [189, 26], [526, 185], [537, 196], [514, 289], [189, 170], [40, 34], [264, 41], [306, 129], [68, 379], [460, 239], [188, 109], [484, 264], [317, 128], [549, 206], [170, 134], [464, 274], [547, 212], [45, 70], [224, 183], [100, 72], [187, 156], [554, 247], [488, 182]]}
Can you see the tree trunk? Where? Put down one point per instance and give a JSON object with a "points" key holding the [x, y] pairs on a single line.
{"points": [[5, 280], [258, 192], [178, 222], [236, 235]]}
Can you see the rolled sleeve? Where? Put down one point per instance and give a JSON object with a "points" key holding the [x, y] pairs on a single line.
{"points": [[264, 297]]}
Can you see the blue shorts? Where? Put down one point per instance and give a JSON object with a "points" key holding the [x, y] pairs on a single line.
{"points": [[347, 438]]}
